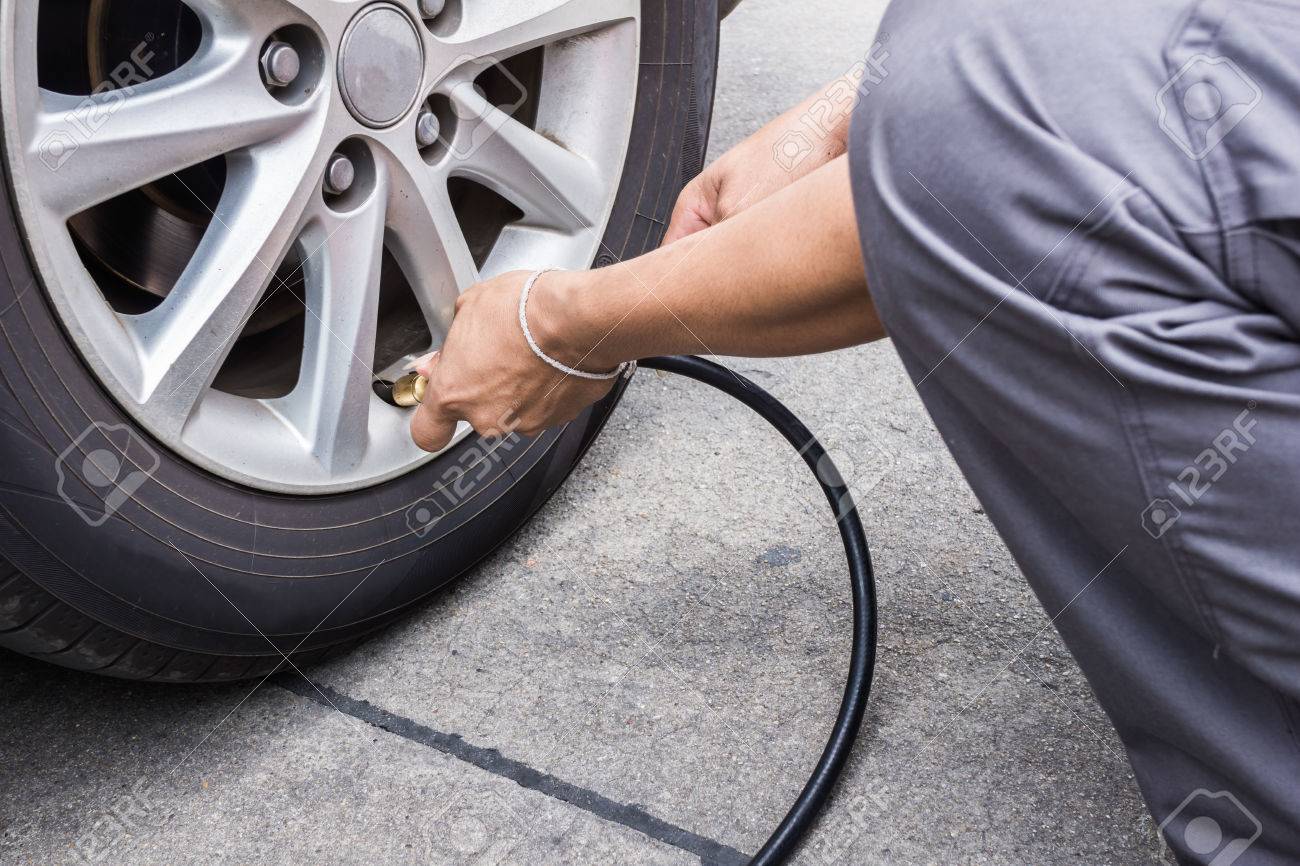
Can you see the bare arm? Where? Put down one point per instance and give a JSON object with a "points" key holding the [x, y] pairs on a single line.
{"points": [[785, 277], [784, 151], [782, 277]]}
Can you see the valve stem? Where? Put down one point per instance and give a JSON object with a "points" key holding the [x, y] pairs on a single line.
{"points": [[407, 392]]}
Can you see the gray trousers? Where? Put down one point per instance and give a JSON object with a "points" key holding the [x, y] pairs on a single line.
{"points": [[1081, 222]]}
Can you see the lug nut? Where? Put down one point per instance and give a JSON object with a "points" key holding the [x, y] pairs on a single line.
{"points": [[280, 64], [432, 8], [427, 128], [339, 175]]}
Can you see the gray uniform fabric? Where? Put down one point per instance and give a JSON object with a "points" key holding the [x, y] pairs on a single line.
{"points": [[1082, 229]]}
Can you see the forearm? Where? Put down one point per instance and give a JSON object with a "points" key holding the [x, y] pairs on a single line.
{"points": [[820, 122], [784, 277]]}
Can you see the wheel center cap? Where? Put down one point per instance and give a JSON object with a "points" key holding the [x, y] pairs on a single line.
{"points": [[381, 65]]}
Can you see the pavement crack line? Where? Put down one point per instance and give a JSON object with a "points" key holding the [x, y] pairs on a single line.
{"points": [[710, 852]]}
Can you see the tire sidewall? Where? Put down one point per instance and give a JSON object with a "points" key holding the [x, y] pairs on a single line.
{"points": [[197, 563]]}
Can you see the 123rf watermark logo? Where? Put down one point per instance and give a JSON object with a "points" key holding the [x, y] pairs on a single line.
{"points": [[131, 815], [830, 112], [1204, 101], [481, 103], [1196, 479], [93, 113], [482, 828], [833, 844], [108, 461], [472, 469], [1215, 827], [853, 472]]}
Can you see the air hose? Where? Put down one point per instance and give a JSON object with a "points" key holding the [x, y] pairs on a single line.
{"points": [[817, 792], [409, 391]]}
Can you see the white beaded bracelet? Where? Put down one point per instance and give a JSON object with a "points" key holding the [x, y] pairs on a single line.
{"points": [[624, 369]]}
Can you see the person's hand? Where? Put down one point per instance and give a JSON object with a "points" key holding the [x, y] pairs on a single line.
{"points": [[758, 167], [487, 375]]}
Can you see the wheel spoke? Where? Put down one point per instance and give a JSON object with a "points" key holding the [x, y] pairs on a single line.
{"points": [[330, 407], [227, 17], [185, 339], [553, 186], [427, 242], [498, 29], [191, 371], [123, 139]]}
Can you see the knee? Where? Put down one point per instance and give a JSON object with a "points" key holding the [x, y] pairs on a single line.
{"points": [[1004, 85], [926, 148], [966, 171], [952, 95]]}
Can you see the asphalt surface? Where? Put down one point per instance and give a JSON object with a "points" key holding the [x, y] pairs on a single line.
{"points": [[647, 673]]}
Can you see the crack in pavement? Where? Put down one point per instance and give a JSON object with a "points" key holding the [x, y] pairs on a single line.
{"points": [[710, 852]]}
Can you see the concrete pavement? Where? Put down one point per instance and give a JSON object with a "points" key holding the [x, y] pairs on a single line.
{"points": [[646, 674]]}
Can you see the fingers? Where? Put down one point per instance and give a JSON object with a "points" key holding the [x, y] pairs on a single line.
{"points": [[423, 364], [486, 376], [433, 427], [685, 227], [688, 215]]}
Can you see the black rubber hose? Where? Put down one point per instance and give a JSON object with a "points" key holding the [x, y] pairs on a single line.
{"points": [[815, 795]]}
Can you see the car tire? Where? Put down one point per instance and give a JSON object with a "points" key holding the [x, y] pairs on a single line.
{"points": [[195, 578]]}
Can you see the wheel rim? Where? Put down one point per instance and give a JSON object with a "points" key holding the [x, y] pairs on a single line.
{"points": [[277, 227]]}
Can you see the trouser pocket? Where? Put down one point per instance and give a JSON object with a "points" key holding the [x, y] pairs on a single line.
{"points": [[1230, 105]]}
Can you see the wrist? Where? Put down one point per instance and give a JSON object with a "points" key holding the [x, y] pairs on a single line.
{"points": [[570, 315]]}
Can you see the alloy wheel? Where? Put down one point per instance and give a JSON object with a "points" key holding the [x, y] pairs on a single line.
{"points": [[248, 210]]}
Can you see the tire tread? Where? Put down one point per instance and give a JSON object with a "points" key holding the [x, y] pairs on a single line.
{"points": [[57, 633]]}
